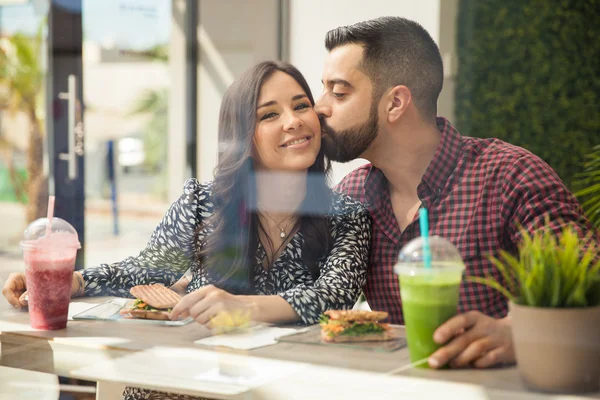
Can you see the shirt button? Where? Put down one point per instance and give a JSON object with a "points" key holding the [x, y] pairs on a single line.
{"points": [[438, 191]]}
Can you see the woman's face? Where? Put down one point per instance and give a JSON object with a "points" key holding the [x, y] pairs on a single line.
{"points": [[288, 134]]}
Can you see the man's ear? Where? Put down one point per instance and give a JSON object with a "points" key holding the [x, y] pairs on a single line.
{"points": [[399, 98]]}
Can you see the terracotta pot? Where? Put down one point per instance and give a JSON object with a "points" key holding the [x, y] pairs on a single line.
{"points": [[557, 349]]}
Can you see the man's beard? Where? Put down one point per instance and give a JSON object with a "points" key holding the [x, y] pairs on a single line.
{"points": [[349, 144]]}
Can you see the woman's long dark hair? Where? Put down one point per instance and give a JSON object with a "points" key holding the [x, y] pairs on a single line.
{"points": [[228, 254]]}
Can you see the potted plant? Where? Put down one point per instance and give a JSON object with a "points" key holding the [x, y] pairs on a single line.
{"points": [[553, 287]]}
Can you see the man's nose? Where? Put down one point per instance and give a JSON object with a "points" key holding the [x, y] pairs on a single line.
{"points": [[322, 109]]}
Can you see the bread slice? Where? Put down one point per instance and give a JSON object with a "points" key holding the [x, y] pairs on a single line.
{"points": [[156, 295], [146, 314], [356, 315], [371, 337]]}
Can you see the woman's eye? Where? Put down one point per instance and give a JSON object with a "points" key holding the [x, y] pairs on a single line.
{"points": [[338, 95], [268, 116], [302, 106]]}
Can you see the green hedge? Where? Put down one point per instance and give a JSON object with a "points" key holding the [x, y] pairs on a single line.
{"points": [[529, 74]]}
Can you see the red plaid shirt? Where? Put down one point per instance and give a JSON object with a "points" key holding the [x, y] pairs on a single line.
{"points": [[476, 191]]}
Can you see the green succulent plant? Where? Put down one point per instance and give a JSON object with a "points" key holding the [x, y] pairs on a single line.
{"points": [[550, 271], [589, 183]]}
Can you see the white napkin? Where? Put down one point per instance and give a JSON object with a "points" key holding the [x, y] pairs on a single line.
{"points": [[252, 338], [76, 308], [79, 307]]}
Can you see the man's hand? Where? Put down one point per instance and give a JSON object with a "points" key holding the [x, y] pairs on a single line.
{"points": [[205, 303], [14, 288], [473, 339]]}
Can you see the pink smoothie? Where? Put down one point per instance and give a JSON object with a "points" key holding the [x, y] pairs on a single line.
{"points": [[49, 269]]}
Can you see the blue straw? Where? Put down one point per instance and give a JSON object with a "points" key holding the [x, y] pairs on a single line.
{"points": [[424, 223]]}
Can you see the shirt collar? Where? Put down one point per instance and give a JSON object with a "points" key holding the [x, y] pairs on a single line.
{"points": [[444, 160], [438, 171], [374, 186]]}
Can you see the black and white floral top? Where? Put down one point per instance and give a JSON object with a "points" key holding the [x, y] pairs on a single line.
{"points": [[171, 252]]}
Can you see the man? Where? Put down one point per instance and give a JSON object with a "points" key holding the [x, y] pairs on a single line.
{"points": [[382, 79]]}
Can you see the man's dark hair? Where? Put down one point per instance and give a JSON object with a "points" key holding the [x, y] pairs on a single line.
{"points": [[397, 51]]}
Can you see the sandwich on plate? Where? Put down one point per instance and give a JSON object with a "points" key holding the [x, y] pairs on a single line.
{"points": [[152, 302], [338, 326]]}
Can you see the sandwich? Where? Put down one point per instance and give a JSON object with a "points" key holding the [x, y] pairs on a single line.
{"points": [[152, 302], [338, 326]]}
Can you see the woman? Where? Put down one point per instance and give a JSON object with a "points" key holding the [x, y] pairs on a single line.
{"points": [[267, 235]]}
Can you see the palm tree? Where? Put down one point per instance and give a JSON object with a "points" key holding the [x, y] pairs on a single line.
{"points": [[22, 80], [17, 180], [154, 102], [589, 182]]}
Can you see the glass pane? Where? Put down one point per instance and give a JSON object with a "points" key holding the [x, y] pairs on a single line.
{"points": [[126, 87]]}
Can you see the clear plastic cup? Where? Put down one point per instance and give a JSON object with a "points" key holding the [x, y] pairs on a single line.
{"points": [[429, 295], [49, 263]]}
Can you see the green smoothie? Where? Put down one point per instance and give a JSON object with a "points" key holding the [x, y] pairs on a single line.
{"points": [[427, 302]]}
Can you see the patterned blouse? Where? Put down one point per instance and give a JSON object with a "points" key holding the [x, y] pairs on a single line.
{"points": [[171, 252]]}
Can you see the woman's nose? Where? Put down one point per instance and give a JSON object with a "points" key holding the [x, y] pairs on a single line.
{"points": [[292, 122]]}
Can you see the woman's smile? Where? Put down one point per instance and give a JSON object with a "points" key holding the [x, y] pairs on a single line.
{"points": [[297, 144]]}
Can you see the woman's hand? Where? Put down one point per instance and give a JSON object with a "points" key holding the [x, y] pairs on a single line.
{"points": [[205, 303], [14, 289], [180, 286]]}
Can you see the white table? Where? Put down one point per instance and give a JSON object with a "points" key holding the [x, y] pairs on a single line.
{"points": [[101, 351]]}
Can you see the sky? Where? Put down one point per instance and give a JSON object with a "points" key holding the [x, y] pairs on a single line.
{"points": [[127, 24]]}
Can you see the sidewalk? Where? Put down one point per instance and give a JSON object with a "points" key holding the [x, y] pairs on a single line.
{"points": [[129, 204]]}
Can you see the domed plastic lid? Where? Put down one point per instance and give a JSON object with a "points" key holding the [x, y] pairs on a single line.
{"points": [[444, 257], [62, 231]]}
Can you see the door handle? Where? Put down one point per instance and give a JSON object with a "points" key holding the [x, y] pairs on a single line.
{"points": [[74, 129]]}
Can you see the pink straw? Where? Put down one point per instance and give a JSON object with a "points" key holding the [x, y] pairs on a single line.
{"points": [[50, 215]]}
